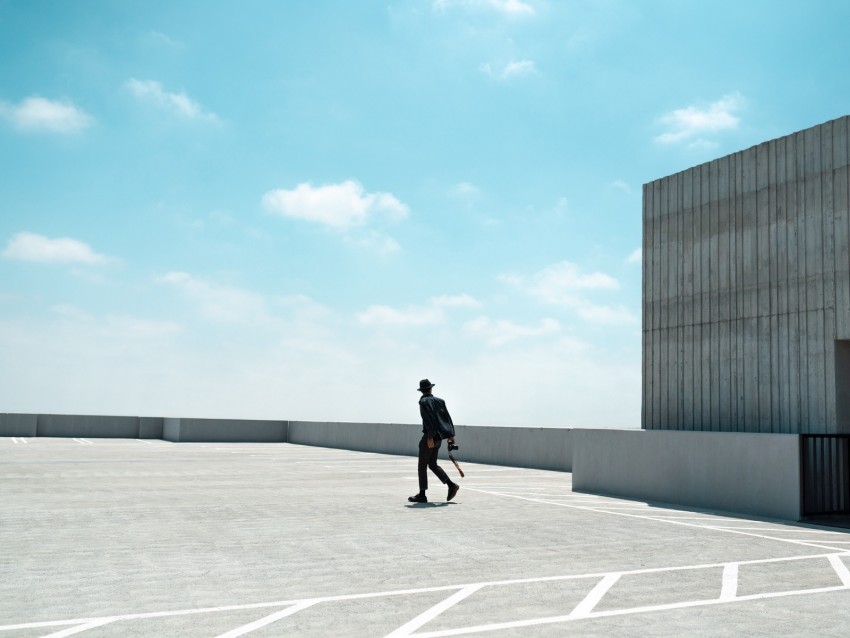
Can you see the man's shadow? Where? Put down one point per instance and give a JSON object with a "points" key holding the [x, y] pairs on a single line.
{"points": [[418, 506]]}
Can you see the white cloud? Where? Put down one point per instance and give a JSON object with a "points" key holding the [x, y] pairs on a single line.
{"points": [[40, 114], [226, 304], [429, 315], [374, 241], [686, 125], [512, 69], [218, 302], [336, 206], [608, 315], [38, 248], [561, 281], [500, 332], [456, 301], [179, 104], [635, 257], [564, 284], [413, 316], [511, 8]]}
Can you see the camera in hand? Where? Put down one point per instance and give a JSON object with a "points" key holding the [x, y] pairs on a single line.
{"points": [[453, 447]]}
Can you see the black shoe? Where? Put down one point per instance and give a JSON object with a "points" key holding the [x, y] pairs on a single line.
{"points": [[419, 498], [453, 488]]}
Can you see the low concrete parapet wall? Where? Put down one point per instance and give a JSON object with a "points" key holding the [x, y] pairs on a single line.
{"points": [[224, 431], [746, 473], [539, 448], [150, 427], [384, 438], [18, 424], [73, 425]]}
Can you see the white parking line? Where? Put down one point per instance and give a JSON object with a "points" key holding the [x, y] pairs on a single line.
{"points": [[585, 607], [602, 510], [81, 628], [840, 569], [784, 530], [84, 441], [408, 628], [729, 589], [267, 620]]}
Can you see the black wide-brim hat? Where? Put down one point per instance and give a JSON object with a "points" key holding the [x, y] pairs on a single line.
{"points": [[425, 385]]}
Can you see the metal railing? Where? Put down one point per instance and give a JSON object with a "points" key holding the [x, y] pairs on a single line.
{"points": [[825, 474]]}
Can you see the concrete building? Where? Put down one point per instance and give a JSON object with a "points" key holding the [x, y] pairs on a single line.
{"points": [[746, 290]]}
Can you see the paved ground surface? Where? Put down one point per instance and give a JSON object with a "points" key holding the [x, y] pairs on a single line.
{"points": [[103, 537]]}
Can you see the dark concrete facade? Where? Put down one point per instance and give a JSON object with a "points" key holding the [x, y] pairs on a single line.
{"points": [[746, 290]]}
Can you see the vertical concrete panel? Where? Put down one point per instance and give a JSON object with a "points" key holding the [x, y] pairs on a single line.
{"points": [[657, 371], [705, 243], [736, 185], [646, 322], [795, 405], [725, 313], [750, 420], [793, 215], [780, 212], [688, 396], [763, 285], [814, 221], [814, 280], [687, 293], [668, 238], [696, 220], [749, 230], [841, 221], [656, 256], [782, 386], [816, 381], [674, 372], [713, 241], [705, 417], [773, 284], [803, 274], [829, 292], [664, 251], [782, 425]]}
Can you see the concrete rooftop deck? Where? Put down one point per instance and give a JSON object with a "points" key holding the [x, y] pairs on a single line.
{"points": [[108, 537]]}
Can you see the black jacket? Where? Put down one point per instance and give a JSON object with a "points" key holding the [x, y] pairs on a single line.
{"points": [[436, 421]]}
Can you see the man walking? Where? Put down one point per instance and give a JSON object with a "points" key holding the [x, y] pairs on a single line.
{"points": [[436, 426]]}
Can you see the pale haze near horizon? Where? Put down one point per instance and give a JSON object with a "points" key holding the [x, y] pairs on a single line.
{"points": [[298, 210]]}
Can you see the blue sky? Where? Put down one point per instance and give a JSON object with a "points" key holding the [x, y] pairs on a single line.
{"points": [[296, 210]]}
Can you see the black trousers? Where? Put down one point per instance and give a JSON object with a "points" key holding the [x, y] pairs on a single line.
{"points": [[428, 460]]}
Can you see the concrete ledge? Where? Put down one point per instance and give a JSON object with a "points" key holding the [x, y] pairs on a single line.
{"points": [[151, 427], [384, 438], [18, 424], [224, 431], [538, 448], [69, 425], [747, 473]]}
